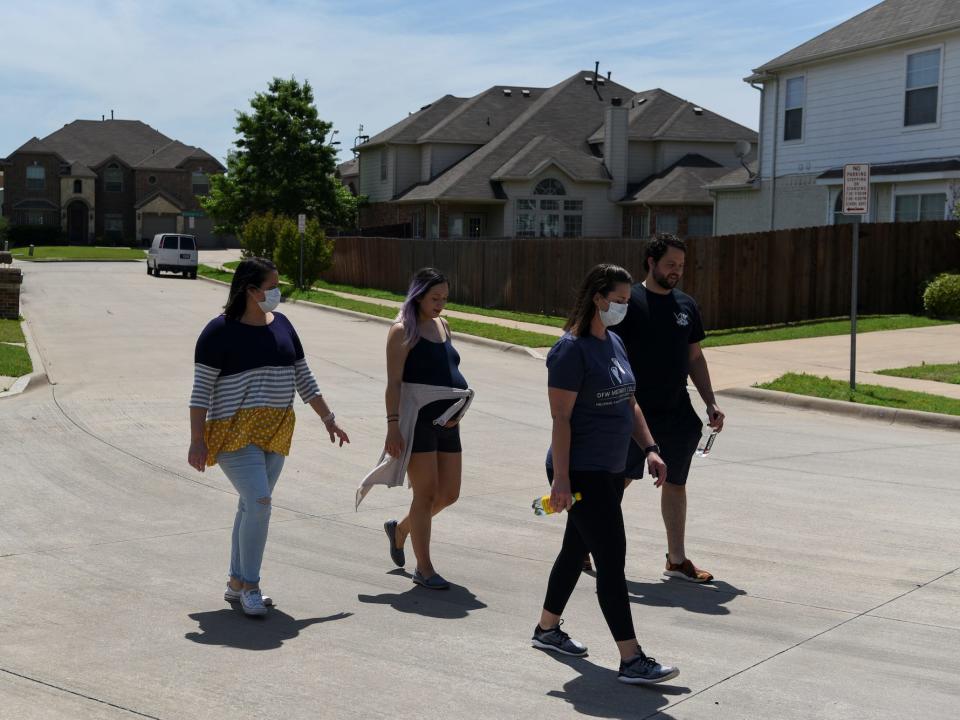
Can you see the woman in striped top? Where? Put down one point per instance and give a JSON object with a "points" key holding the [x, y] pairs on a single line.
{"points": [[248, 364]]}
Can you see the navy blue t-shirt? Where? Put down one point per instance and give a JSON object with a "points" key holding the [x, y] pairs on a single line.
{"points": [[602, 420]]}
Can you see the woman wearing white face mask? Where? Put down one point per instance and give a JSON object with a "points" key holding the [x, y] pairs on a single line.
{"points": [[248, 364], [590, 387]]}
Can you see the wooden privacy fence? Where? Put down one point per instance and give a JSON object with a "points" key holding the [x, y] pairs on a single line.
{"points": [[738, 280]]}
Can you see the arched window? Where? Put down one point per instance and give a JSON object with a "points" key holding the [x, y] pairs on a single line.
{"points": [[77, 186], [550, 186], [113, 178], [838, 217]]}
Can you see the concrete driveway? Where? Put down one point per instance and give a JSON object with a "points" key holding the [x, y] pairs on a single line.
{"points": [[834, 542]]}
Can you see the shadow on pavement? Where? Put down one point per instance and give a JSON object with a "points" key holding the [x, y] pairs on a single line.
{"points": [[596, 692], [452, 604], [231, 628], [708, 598]]}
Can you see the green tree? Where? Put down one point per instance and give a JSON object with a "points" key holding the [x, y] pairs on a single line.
{"points": [[259, 234], [4, 223], [317, 252], [282, 162]]}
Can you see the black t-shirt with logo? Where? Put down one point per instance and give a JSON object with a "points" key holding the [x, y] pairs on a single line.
{"points": [[657, 332]]}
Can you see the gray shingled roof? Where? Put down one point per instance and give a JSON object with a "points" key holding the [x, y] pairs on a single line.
{"points": [[92, 142], [78, 169], [414, 125], [888, 22], [542, 151], [683, 182], [349, 168], [735, 179], [483, 117], [565, 113], [659, 115]]}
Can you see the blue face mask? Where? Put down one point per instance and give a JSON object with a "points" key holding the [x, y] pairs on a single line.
{"points": [[270, 301], [614, 314]]}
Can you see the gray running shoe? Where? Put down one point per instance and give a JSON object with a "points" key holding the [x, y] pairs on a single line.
{"points": [[396, 554], [434, 582], [556, 640], [643, 670], [232, 596], [251, 601]]}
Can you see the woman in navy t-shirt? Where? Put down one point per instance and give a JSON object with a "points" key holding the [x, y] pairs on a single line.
{"points": [[595, 415]]}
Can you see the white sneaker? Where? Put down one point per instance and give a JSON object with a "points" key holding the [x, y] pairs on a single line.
{"points": [[232, 596], [252, 602]]}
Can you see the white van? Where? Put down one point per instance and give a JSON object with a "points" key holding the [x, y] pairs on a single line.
{"points": [[174, 253]]}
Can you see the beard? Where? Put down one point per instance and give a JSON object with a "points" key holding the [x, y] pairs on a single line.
{"points": [[667, 282]]}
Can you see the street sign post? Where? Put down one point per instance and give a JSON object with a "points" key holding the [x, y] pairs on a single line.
{"points": [[856, 201], [302, 229]]}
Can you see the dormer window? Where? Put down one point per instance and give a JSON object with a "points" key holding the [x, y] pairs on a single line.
{"points": [[201, 183], [113, 178], [36, 177]]}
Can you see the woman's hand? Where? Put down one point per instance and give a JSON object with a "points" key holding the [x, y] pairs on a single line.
{"points": [[560, 497], [393, 445], [197, 455], [657, 468], [336, 432]]}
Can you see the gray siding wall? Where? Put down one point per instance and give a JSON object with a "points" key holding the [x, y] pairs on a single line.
{"points": [[601, 218], [445, 155], [669, 152], [853, 111], [371, 185], [641, 161], [408, 166]]}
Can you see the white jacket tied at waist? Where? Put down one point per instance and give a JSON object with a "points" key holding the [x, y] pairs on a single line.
{"points": [[390, 470]]}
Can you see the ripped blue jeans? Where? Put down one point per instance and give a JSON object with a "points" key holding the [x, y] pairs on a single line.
{"points": [[254, 474]]}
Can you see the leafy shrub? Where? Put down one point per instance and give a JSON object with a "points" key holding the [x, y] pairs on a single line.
{"points": [[259, 235], [941, 299], [317, 252], [21, 235], [4, 228]]}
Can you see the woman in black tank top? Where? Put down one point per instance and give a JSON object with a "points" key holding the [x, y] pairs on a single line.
{"points": [[419, 350]]}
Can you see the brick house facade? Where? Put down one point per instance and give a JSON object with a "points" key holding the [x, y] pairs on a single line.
{"points": [[118, 180]]}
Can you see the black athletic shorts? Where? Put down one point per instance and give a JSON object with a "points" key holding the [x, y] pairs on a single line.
{"points": [[676, 450], [428, 437]]}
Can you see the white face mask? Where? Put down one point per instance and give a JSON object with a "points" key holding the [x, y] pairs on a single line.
{"points": [[614, 314], [270, 301]]}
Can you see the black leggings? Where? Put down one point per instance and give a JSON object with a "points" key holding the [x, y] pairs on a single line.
{"points": [[594, 525]]}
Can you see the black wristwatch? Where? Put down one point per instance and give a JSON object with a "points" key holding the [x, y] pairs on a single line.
{"points": [[651, 448]]}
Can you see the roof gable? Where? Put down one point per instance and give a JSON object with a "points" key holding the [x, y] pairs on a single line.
{"points": [[889, 22], [684, 182], [484, 116], [415, 124]]}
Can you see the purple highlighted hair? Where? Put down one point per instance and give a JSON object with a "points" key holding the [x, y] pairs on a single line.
{"points": [[421, 283]]}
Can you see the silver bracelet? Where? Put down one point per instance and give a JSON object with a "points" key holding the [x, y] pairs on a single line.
{"points": [[328, 419]]}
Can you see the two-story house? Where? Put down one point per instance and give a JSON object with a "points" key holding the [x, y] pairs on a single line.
{"points": [[117, 179], [586, 157], [881, 88]]}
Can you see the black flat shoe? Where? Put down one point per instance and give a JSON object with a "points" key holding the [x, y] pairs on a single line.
{"points": [[396, 554]]}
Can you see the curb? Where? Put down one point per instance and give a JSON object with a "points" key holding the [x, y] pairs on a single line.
{"points": [[39, 370], [460, 337], [916, 418]]}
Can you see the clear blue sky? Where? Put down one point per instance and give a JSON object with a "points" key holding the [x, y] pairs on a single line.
{"points": [[185, 67]]}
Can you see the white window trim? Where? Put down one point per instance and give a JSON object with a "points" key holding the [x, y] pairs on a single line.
{"points": [[919, 189], [903, 94], [803, 107], [561, 212]]}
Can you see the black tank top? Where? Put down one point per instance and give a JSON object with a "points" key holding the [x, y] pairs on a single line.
{"points": [[433, 363]]}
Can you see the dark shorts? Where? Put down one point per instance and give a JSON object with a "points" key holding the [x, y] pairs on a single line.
{"points": [[676, 450], [428, 437]]}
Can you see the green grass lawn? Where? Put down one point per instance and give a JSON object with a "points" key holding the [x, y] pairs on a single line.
{"points": [[940, 373], [802, 384], [81, 252], [10, 331], [816, 328], [534, 318], [469, 327]]}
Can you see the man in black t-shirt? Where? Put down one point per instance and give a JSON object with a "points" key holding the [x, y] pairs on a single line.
{"points": [[662, 334]]}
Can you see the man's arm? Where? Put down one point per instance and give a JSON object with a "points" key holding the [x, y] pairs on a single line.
{"points": [[700, 375]]}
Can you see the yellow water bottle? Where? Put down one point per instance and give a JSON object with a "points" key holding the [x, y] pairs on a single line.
{"points": [[542, 506]]}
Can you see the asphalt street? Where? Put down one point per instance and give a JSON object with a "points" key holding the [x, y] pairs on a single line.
{"points": [[835, 543]]}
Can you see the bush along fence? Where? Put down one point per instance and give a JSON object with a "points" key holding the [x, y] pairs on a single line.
{"points": [[739, 280]]}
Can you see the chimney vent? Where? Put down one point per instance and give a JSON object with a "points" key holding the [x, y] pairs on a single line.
{"points": [[609, 74], [525, 93], [507, 92], [697, 110], [111, 114]]}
